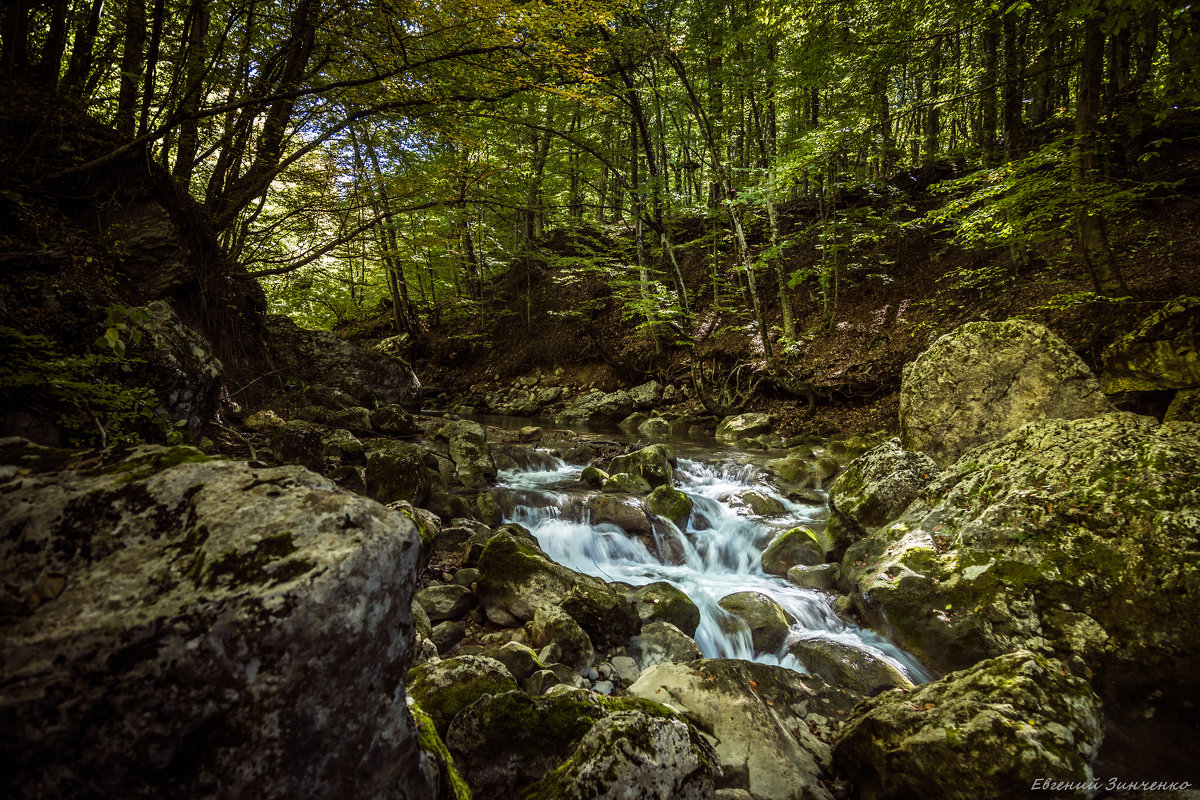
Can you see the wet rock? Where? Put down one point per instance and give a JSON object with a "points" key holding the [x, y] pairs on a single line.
{"points": [[757, 503], [445, 602], [467, 442], [743, 426], [984, 379], [654, 464], [662, 643], [553, 625], [767, 620], [795, 469], [593, 476], [1162, 353], [626, 483], [990, 731], [251, 593], [821, 577], [393, 420], [663, 601], [796, 546], [626, 513], [320, 357], [878, 486], [671, 504], [446, 687], [758, 716], [848, 667]]}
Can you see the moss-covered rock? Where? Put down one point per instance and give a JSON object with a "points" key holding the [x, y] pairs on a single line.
{"points": [[393, 420], [655, 427], [1185, 407], [445, 602], [671, 504], [467, 443], [743, 426], [520, 659], [490, 513], [298, 442], [343, 447], [767, 620], [593, 476], [552, 625], [990, 731], [654, 464], [444, 688], [1162, 353], [450, 783], [795, 546], [876, 487], [821, 577], [662, 601], [1076, 537], [984, 379], [397, 471], [758, 503], [626, 483]]}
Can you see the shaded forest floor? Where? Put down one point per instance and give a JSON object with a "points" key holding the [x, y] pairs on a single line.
{"points": [[562, 308]]}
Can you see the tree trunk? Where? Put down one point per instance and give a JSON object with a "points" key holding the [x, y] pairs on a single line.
{"points": [[196, 51], [1090, 226], [131, 66]]}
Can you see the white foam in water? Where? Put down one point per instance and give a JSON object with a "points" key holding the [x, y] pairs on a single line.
{"points": [[721, 551]]}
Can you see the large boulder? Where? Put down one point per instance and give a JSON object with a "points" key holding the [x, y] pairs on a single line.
{"points": [[761, 718], [662, 601], [991, 731], [850, 667], [516, 579], [467, 443], [654, 464], [791, 547], [743, 426], [181, 366], [876, 487], [660, 642], [1163, 353], [397, 471], [506, 742], [320, 357], [984, 379], [170, 621], [552, 625], [767, 621], [671, 504], [444, 688], [1076, 538]]}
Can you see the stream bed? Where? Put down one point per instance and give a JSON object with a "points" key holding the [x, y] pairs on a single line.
{"points": [[717, 553]]}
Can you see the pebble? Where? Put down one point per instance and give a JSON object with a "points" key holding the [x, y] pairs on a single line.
{"points": [[592, 674]]}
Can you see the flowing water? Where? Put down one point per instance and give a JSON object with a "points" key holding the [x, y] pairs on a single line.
{"points": [[716, 554]]}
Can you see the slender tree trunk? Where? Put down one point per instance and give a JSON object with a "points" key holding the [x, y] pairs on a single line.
{"points": [[1090, 226], [1014, 94], [933, 116], [196, 51], [131, 66], [82, 51]]}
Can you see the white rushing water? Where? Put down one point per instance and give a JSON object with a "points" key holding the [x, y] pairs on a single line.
{"points": [[718, 553]]}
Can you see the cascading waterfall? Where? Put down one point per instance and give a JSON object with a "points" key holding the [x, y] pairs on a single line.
{"points": [[718, 554]]}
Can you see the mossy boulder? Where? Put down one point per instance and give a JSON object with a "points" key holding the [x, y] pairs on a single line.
{"points": [[174, 602], [1162, 353], [626, 483], [977, 383], [467, 444], [448, 783], [397, 471], [596, 407], [795, 546], [444, 688], [655, 427], [768, 622], [520, 659], [654, 464], [552, 625], [393, 420], [625, 512], [796, 469], [663, 601], [876, 487], [849, 667], [593, 476], [343, 447], [670, 503], [298, 442], [1074, 536], [1185, 407], [819, 577], [990, 731], [743, 426]]}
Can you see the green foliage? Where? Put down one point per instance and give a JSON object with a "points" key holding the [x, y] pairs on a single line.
{"points": [[83, 394]]}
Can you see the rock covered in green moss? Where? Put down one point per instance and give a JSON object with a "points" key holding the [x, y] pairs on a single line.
{"points": [[663, 601], [990, 731], [1162, 353], [743, 426], [520, 659], [393, 420], [821, 577], [761, 717], [593, 476], [654, 464], [795, 469], [298, 442], [795, 546], [343, 447], [445, 779], [768, 621], [552, 625], [1073, 537], [670, 503], [397, 471], [626, 483], [467, 443], [876, 487], [444, 688], [1185, 407], [252, 593], [597, 406], [984, 379]]}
